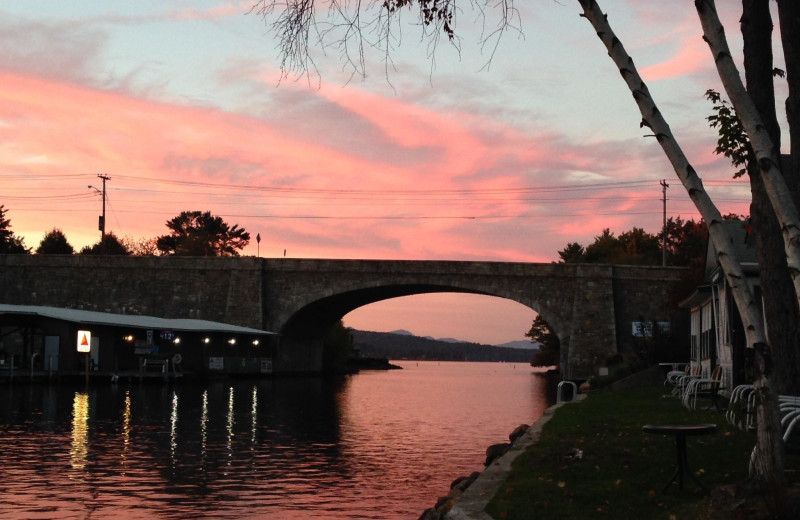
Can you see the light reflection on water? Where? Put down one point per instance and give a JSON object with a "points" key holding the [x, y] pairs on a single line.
{"points": [[379, 445], [80, 431]]}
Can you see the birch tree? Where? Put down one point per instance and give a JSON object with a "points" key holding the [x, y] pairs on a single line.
{"points": [[768, 462], [296, 23]]}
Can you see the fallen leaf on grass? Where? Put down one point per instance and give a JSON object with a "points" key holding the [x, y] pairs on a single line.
{"points": [[561, 483], [618, 482]]}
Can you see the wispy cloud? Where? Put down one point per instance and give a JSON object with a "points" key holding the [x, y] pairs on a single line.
{"points": [[409, 181]]}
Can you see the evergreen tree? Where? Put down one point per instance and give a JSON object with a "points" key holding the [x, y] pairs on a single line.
{"points": [[9, 243], [572, 254], [603, 250], [108, 245], [54, 243]]}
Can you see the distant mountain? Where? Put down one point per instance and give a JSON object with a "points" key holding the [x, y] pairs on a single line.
{"points": [[450, 340], [403, 345], [520, 344], [524, 344]]}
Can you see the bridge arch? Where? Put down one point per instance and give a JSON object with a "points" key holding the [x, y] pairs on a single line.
{"points": [[305, 329]]}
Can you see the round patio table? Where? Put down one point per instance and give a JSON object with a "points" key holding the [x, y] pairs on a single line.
{"points": [[680, 432]]}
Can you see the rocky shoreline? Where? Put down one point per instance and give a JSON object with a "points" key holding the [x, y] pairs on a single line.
{"points": [[469, 496], [461, 484]]}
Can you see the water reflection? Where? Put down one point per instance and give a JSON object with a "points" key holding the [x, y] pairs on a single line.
{"points": [[229, 426], [378, 445], [80, 431], [126, 429], [173, 431], [254, 416]]}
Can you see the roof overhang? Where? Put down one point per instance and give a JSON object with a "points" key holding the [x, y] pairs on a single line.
{"points": [[128, 320], [700, 296]]}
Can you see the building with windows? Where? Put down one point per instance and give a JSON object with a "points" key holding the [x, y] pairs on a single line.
{"points": [[51, 341], [717, 334]]}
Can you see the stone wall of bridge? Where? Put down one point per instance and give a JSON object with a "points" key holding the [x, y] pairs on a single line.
{"points": [[216, 289], [590, 307]]}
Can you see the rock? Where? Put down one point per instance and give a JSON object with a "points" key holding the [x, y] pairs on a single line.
{"points": [[445, 504], [495, 451], [441, 503], [431, 514], [518, 432], [462, 483]]}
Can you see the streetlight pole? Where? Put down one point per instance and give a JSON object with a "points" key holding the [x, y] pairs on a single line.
{"points": [[102, 221], [664, 187]]}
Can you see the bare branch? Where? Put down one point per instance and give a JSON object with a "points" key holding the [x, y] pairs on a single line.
{"points": [[353, 26]]}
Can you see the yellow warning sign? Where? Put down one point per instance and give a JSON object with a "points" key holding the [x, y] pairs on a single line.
{"points": [[84, 341]]}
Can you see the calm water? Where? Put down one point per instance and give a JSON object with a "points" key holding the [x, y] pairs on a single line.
{"points": [[379, 445]]}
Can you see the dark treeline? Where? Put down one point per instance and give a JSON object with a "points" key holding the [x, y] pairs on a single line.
{"points": [[192, 233], [685, 245], [401, 346]]}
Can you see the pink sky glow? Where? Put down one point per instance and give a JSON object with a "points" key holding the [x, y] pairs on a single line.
{"points": [[180, 105]]}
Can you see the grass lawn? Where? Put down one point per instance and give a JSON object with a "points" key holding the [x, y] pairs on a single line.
{"points": [[621, 471]]}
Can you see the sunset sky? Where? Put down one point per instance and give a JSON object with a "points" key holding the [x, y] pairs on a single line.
{"points": [[503, 154]]}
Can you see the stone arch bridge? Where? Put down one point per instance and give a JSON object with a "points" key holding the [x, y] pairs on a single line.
{"points": [[590, 307]]}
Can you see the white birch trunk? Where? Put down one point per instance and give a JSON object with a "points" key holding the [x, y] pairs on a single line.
{"points": [[767, 466], [769, 461], [652, 118], [767, 155]]}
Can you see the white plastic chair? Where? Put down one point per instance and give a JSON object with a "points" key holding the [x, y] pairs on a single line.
{"points": [[703, 386]]}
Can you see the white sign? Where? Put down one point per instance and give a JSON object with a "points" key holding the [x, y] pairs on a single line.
{"points": [[84, 341], [644, 329]]}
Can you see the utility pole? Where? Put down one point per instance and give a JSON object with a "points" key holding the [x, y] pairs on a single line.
{"points": [[102, 220], [664, 187]]}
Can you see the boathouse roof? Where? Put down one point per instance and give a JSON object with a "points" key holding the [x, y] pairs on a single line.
{"points": [[127, 320]]}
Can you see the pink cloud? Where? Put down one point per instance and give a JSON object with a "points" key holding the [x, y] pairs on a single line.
{"points": [[392, 180], [691, 56]]}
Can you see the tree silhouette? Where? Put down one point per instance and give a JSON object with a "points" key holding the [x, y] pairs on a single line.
{"points": [[108, 245], [549, 345], [9, 243], [54, 243], [197, 233]]}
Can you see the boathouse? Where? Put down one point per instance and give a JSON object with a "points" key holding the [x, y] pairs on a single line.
{"points": [[41, 341]]}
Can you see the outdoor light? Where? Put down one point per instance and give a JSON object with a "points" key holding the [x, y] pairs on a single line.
{"points": [[177, 340], [232, 341], [255, 342], [206, 340], [128, 338]]}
